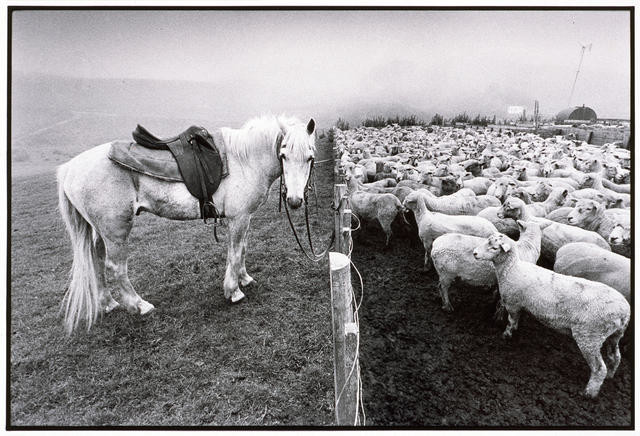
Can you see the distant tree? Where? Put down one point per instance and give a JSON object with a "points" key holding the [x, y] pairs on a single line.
{"points": [[342, 124], [437, 120]]}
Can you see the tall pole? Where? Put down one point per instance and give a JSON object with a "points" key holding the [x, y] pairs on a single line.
{"points": [[577, 72]]}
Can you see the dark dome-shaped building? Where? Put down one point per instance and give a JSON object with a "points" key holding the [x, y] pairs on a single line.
{"points": [[576, 113]]}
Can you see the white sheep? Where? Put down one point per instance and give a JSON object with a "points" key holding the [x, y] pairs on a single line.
{"points": [[580, 259], [594, 314], [620, 240], [371, 206], [479, 185], [434, 224], [506, 226], [555, 235], [590, 215], [458, 203], [452, 256]]}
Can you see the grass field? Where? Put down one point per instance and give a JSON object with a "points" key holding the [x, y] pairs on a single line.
{"points": [[197, 359]]}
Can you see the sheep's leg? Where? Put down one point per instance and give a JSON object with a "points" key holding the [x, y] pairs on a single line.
{"points": [[514, 318], [612, 352], [445, 283], [590, 349], [427, 252], [500, 315]]}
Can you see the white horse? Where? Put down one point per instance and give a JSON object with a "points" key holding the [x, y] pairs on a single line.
{"points": [[98, 200]]}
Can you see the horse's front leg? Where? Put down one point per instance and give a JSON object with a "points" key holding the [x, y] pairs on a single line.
{"points": [[245, 278], [237, 230]]}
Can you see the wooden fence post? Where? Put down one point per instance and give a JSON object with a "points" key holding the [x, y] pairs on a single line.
{"points": [[345, 337], [342, 222]]}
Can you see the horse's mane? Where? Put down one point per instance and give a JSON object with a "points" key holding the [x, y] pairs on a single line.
{"points": [[261, 131]]}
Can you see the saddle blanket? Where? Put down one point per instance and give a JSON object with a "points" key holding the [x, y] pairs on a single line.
{"points": [[156, 163]]}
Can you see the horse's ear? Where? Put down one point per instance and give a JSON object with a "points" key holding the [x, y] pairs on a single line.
{"points": [[311, 126]]}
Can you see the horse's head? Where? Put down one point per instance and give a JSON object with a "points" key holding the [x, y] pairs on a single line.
{"points": [[296, 155]]}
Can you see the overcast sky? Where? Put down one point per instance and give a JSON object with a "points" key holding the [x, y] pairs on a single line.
{"points": [[433, 60]]}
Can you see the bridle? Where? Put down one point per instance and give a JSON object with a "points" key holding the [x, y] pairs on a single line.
{"points": [[310, 185]]}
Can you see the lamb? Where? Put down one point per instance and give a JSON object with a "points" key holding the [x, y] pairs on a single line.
{"points": [[371, 206], [620, 240], [580, 259], [434, 224], [591, 194], [590, 215], [506, 226], [555, 235], [479, 185], [499, 187], [442, 185], [452, 256], [401, 192], [595, 314], [554, 201], [560, 215], [595, 181], [458, 204]]}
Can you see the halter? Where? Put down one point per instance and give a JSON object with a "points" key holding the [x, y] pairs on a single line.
{"points": [[310, 185]]}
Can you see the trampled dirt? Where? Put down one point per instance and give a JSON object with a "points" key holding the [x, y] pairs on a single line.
{"points": [[422, 366]]}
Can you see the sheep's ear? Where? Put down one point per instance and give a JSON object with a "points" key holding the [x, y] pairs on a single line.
{"points": [[522, 225], [505, 246]]}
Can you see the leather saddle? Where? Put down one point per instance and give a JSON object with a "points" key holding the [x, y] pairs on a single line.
{"points": [[201, 161]]}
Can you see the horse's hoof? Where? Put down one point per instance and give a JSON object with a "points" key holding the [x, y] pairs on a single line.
{"points": [[589, 393], [447, 308], [237, 296], [250, 284], [110, 306], [145, 307]]}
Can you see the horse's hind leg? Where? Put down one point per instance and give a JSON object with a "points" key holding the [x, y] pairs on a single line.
{"points": [[116, 262], [107, 303], [245, 278]]}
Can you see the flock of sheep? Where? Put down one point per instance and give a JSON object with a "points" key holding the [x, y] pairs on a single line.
{"points": [[490, 204]]}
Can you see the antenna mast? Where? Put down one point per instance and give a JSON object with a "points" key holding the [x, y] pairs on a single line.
{"points": [[578, 71]]}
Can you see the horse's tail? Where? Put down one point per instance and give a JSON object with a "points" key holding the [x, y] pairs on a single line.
{"points": [[82, 299]]}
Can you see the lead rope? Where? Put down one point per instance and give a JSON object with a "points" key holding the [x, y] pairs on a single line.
{"points": [[314, 257]]}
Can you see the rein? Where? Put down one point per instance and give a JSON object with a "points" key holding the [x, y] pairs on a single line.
{"points": [[314, 257]]}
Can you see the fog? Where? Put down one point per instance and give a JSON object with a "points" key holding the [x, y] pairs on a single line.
{"points": [[342, 63]]}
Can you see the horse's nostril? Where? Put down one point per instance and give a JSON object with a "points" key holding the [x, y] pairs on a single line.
{"points": [[294, 202]]}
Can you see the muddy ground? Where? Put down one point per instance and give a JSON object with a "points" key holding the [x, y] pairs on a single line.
{"points": [[422, 366]]}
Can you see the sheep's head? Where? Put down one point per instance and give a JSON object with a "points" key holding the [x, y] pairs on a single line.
{"points": [[502, 184], [494, 248], [520, 193], [520, 172], [610, 170], [620, 235], [411, 201], [512, 208], [622, 176], [586, 181], [584, 212], [558, 196], [542, 191], [546, 168]]}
